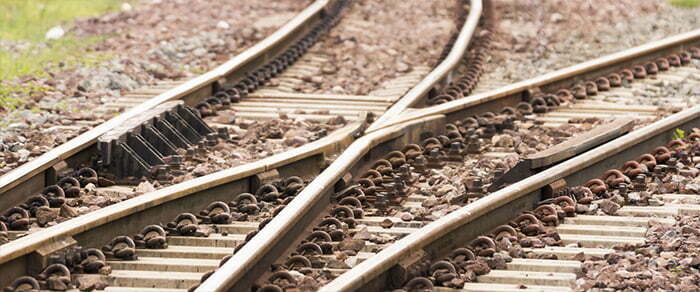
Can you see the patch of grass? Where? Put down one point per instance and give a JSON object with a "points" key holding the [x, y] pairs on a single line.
{"points": [[63, 54], [30, 19], [26, 22], [685, 3], [9, 94], [35, 60]]}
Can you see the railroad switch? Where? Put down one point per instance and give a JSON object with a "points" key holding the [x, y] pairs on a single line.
{"points": [[622, 188], [404, 174], [381, 202], [639, 184]]}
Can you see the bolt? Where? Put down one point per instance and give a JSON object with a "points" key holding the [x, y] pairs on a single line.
{"points": [[404, 174], [174, 161], [682, 156], [498, 172], [508, 123], [189, 154], [490, 130], [223, 133], [474, 146], [398, 189], [381, 202], [622, 187], [212, 139], [639, 184], [455, 153], [160, 172], [201, 147], [435, 158], [474, 186], [672, 165], [420, 164], [659, 171]]}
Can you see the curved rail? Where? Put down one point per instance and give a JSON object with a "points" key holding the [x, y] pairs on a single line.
{"points": [[125, 217], [255, 256], [441, 74], [16, 257], [465, 224], [30, 177], [442, 236], [496, 99], [273, 241]]}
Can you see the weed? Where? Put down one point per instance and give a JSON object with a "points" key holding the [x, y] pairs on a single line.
{"points": [[678, 134]]}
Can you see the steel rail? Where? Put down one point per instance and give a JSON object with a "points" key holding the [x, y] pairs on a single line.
{"points": [[239, 272], [439, 237], [164, 204], [441, 74], [30, 177], [18, 255], [495, 99], [253, 259]]}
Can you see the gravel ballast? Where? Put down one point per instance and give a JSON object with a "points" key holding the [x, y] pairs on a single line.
{"points": [[155, 41]]}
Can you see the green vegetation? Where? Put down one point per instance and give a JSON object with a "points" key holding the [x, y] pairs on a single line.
{"points": [[685, 3], [25, 23], [678, 134], [30, 19]]}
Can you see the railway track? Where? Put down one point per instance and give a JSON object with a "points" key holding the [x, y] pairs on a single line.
{"points": [[557, 221], [183, 255], [29, 178], [379, 190], [317, 85], [62, 181], [549, 252], [147, 146], [535, 271]]}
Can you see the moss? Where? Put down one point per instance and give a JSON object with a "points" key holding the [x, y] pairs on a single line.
{"points": [[685, 3]]}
